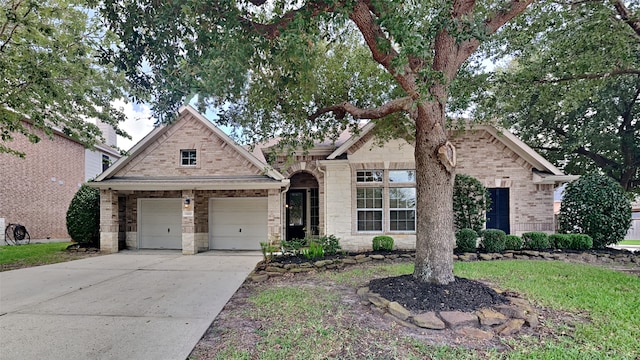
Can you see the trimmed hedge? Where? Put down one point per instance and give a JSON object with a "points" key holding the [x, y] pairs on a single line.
{"points": [[83, 216], [581, 242], [535, 240], [466, 240], [382, 242], [493, 240], [513, 242], [560, 241]]}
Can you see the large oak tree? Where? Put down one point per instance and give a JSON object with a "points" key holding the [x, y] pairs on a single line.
{"points": [[304, 69]]}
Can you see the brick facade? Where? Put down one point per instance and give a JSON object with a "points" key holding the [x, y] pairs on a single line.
{"points": [[36, 191]]}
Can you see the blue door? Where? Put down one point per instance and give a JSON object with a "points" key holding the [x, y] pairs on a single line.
{"points": [[498, 216]]}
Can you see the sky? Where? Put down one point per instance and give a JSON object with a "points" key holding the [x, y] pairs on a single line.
{"points": [[138, 124]]}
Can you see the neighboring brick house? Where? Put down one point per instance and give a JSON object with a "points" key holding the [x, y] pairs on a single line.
{"points": [[36, 190], [189, 186]]}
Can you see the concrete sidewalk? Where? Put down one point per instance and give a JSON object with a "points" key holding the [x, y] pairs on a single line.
{"points": [[152, 305]]}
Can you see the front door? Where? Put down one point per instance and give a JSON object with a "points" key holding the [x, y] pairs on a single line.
{"points": [[296, 214], [498, 216]]}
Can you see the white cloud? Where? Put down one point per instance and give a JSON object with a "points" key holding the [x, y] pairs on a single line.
{"points": [[138, 124]]}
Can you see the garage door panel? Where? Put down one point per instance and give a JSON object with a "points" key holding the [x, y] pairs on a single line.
{"points": [[229, 215], [160, 225]]}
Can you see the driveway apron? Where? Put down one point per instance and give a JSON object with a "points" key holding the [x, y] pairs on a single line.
{"points": [[152, 305]]}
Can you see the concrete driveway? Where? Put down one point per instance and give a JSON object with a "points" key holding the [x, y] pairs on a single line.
{"points": [[130, 305]]}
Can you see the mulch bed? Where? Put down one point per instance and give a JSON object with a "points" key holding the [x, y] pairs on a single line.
{"points": [[418, 296]]}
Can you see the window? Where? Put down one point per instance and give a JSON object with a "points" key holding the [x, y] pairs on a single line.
{"points": [[369, 208], [402, 209], [363, 176], [402, 176], [188, 157], [106, 162]]}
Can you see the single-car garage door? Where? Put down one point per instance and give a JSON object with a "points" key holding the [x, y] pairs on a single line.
{"points": [[160, 224], [237, 223]]}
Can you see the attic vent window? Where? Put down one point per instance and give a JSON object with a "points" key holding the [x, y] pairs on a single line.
{"points": [[188, 157]]}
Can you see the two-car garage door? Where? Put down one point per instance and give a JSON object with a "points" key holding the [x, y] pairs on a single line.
{"points": [[234, 223]]}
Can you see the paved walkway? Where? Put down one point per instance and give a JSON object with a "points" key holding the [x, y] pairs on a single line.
{"points": [[131, 305]]}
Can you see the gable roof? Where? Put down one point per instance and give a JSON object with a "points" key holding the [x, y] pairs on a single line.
{"points": [[546, 171], [160, 130]]}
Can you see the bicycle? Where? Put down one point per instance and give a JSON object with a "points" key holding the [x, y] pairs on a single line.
{"points": [[16, 234]]}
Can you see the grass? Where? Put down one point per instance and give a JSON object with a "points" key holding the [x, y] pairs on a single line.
{"points": [[33, 254], [311, 322], [629, 242]]}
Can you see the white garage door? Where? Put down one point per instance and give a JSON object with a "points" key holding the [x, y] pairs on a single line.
{"points": [[160, 223], [237, 223]]}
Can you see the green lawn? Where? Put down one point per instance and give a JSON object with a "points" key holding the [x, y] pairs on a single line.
{"points": [[312, 322], [33, 254], [629, 242]]}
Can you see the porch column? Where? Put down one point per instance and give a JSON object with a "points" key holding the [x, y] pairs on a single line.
{"points": [[188, 223], [274, 218], [108, 221]]}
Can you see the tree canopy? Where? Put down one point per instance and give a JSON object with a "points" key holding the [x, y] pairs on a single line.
{"points": [[571, 89], [303, 70], [52, 74]]}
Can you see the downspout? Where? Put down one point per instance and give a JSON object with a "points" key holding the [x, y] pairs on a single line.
{"points": [[324, 200], [283, 213]]}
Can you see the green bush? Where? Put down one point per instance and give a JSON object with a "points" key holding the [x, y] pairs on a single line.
{"points": [[83, 216], [494, 240], [581, 242], [382, 242], [471, 201], [512, 242], [293, 246], [560, 241], [330, 244], [597, 206], [535, 240], [466, 240], [314, 251]]}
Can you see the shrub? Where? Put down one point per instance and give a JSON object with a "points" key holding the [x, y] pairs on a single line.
{"points": [[268, 249], [597, 206], [535, 240], [314, 251], [512, 242], [560, 241], [470, 203], [493, 240], [382, 242], [293, 246], [330, 244], [83, 216], [466, 240], [581, 241]]}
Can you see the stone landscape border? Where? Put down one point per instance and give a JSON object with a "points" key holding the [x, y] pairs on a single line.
{"points": [[484, 324]]}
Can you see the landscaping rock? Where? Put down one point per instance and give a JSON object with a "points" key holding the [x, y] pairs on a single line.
{"points": [[360, 256], [273, 274], [363, 260], [532, 321], [291, 266], [349, 261], [457, 319], [378, 300], [468, 257], [301, 269], [377, 257], [486, 256], [429, 320], [362, 292], [274, 269], [391, 317], [489, 317], [507, 255], [531, 253], [398, 310], [475, 333], [322, 263], [511, 311], [259, 278], [510, 327]]}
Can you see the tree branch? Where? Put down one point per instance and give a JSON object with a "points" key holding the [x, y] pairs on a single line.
{"points": [[373, 34], [272, 30], [592, 76], [600, 160], [627, 17], [340, 110]]}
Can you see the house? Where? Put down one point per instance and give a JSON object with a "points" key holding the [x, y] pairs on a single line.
{"points": [[189, 186], [36, 190]]}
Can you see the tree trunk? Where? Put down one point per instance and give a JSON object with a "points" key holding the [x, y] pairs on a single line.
{"points": [[435, 167]]}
